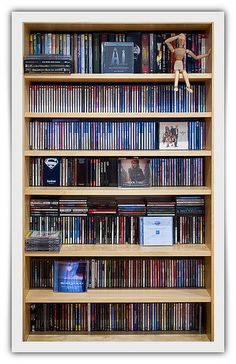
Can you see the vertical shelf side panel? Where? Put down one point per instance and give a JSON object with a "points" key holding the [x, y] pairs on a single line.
{"points": [[209, 173], [25, 199]]}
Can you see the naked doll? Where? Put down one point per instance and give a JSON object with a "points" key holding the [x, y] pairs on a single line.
{"points": [[180, 53]]}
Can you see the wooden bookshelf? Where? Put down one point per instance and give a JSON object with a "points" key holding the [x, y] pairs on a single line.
{"points": [[207, 251], [122, 295]]}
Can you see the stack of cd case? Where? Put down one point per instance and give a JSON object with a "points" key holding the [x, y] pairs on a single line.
{"points": [[48, 63], [43, 241]]}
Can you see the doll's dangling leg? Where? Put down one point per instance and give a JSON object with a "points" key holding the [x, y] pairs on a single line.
{"points": [[176, 80], [185, 76]]}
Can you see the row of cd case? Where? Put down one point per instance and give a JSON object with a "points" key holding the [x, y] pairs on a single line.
{"points": [[72, 276]]}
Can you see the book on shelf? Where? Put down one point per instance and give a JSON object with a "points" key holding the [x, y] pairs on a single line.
{"points": [[117, 57], [134, 172], [70, 276], [156, 230]]}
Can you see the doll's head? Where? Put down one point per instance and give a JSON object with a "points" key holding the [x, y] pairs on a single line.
{"points": [[182, 40]]}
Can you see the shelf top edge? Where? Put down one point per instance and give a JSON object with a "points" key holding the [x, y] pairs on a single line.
{"points": [[137, 77], [118, 153], [130, 115], [118, 336], [121, 25], [110, 191], [121, 250], [121, 295]]}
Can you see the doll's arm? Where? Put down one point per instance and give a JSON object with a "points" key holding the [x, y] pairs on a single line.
{"points": [[168, 42], [200, 56]]}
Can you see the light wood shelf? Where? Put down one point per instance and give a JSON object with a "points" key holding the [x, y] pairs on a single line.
{"points": [[162, 295], [143, 295], [116, 191], [181, 250], [107, 336], [109, 115], [118, 153], [132, 77]]}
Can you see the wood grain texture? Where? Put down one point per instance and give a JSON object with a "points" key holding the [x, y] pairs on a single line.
{"points": [[151, 295], [118, 153], [115, 191], [104, 78], [114, 116], [104, 336], [184, 250], [117, 27]]}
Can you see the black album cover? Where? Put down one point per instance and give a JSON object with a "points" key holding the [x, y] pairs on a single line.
{"points": [[51, 172]]}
